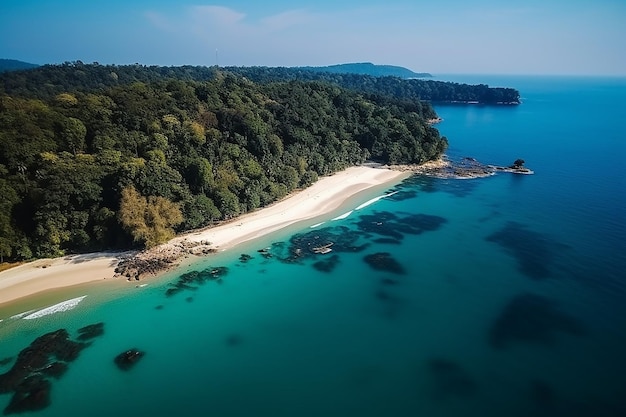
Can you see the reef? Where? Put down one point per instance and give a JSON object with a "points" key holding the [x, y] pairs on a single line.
{"points": [[191, 280], [46, 357]]}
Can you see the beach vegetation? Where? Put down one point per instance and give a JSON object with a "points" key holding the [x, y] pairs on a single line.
{"points": [[150, 220]]}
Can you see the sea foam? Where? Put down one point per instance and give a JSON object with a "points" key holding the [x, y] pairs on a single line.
{"points": [[343, 216], [57, 308], [20, 315], [373, 200]]}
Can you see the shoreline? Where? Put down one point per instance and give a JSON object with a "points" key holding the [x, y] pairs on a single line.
{"points": [[324, 196]]}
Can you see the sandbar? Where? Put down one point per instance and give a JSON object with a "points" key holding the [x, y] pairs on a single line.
{"points": [[324, 196]]}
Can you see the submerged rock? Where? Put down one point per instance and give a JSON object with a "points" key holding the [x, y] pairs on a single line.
{"points": [[244, 257], [91, 332], [190, 280], [32, 394], [129, 358], [383, 261], [55, 369], [47, 356]]}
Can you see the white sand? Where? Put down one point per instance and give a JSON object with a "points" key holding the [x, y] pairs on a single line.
{"points": [[48, 274], [326, 195]]}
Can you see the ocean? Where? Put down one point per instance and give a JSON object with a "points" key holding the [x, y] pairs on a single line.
{"points": [[499, 296]]}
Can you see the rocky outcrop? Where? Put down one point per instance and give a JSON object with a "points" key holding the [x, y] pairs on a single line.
{"points": [[150, 262], [129, 358]]}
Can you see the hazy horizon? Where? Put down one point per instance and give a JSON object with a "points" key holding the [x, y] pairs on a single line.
{"points": [[446, 37]]}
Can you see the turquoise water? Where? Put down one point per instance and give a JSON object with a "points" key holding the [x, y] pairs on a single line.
{"points": [[503, 296]]}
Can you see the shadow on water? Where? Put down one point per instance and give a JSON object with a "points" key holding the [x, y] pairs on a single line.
{"points": [[531, 318], [535, 252]]}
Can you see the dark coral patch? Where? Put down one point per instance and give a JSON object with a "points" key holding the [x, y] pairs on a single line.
{"points": [[189, 281], [328, 264], [534, 251], [402, 194], [531, 318], [32, 394], [384, 224], [244, 257], [5, 361], [27, 378], [449, 379], [128, 359], [91, 332], [310, 245], [388, 241], [393, 228], [55, 369], [415, 224], [428, 184], [383, 261]]}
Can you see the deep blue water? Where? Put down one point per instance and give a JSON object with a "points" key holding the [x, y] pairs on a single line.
{"points": [[502, 296]]}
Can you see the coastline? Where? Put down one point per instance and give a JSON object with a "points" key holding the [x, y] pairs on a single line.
{"points": [[325, 195]]}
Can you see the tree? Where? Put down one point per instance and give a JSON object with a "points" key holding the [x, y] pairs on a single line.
{"points": [[518, 164], [149, 220]]}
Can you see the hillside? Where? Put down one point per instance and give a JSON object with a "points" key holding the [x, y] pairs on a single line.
{"points": [[14, 65], [367, 68]]}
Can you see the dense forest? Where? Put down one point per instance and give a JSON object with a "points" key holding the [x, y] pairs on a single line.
{"points": [[49, 80], [95, 157]]}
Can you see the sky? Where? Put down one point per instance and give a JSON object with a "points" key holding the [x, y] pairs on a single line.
{"points": [[551, 37]]}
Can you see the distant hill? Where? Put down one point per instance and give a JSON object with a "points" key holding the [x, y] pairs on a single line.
{"points": [[14, 65], [367, 68]]}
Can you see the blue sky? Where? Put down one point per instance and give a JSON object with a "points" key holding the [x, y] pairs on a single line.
{"points": [[579, 37]]}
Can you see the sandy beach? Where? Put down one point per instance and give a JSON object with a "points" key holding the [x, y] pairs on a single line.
{"points": [[326, 195]]}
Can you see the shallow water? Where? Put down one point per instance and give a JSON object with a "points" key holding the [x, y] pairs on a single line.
{"points": [[490, 297]]}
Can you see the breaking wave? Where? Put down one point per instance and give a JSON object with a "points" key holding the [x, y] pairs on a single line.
{"points": [[57, 308]]}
